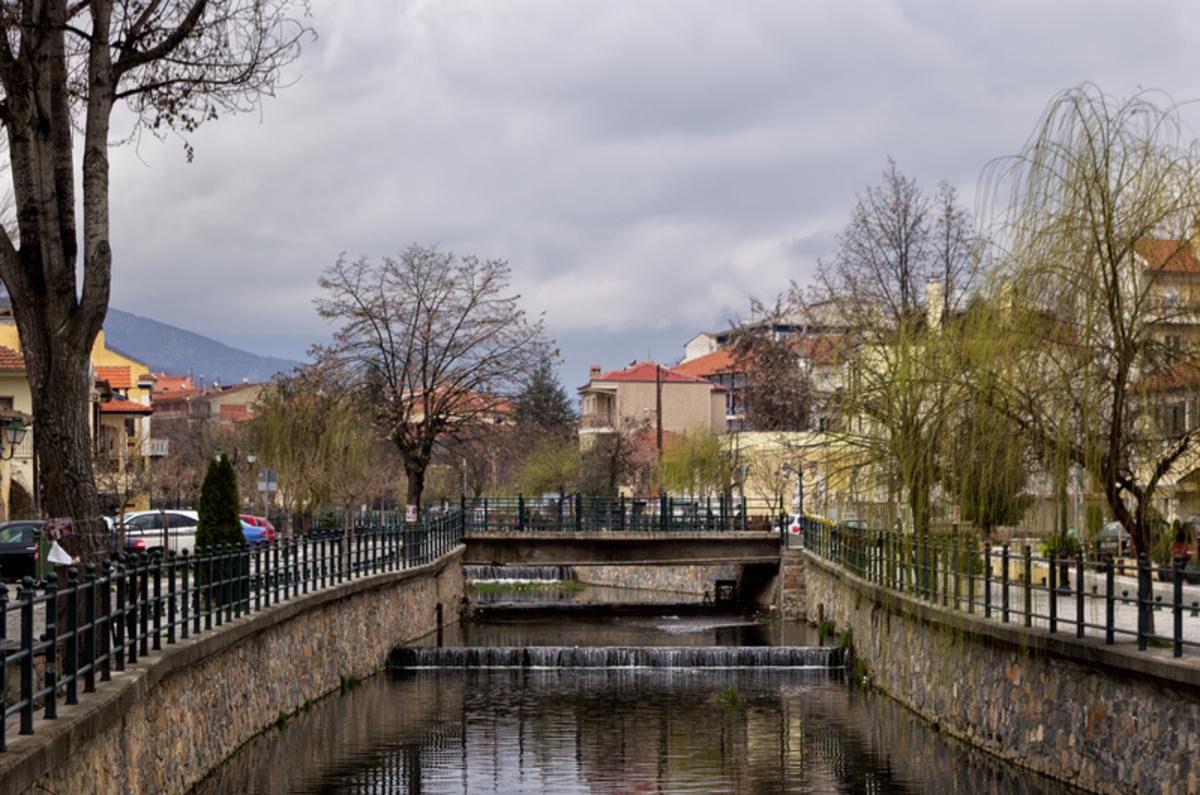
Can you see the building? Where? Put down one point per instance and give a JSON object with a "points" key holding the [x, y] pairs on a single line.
{"points": [[647, 395]]}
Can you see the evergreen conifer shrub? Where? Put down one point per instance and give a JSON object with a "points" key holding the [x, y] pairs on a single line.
{"points": [[219, 505]]}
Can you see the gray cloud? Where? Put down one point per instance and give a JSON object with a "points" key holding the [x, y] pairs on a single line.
{"points": [[643, 166]]}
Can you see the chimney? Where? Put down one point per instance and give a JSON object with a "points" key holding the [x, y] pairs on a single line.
{"points": [[934, 297], [595, 372]]}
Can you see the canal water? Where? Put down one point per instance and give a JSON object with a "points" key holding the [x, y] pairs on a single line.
{"points": [[678, 698]]}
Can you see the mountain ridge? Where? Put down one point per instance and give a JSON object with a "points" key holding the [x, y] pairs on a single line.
{"points": [[169, 349]]}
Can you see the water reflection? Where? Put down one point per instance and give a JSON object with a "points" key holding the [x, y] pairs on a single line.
{"points": [[611, 731], [625, 626]]}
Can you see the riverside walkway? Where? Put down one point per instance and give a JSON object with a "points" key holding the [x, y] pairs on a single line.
{"points": [[127, 608], [1115, 601]]}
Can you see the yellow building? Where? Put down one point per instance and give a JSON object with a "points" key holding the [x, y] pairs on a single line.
{"points": [[15, 402], [120, 417]]}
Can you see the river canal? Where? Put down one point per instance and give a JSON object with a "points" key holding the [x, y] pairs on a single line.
{"points": [[571, 728]]}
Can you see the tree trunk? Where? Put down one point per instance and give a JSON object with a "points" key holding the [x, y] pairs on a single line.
{"points": [[61, 395], [415, 471]]}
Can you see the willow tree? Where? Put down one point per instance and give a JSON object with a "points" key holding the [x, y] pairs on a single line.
{"points": [[698, 462], [288, 428], [1097, 221], [64, 66]]}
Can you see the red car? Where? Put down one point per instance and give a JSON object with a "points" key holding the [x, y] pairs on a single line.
{"points": [[260, 521]]}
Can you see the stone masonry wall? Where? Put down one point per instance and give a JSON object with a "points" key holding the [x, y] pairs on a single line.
{"points": [[163, 724], [794, 592], [678, 579], [1105, 718]]}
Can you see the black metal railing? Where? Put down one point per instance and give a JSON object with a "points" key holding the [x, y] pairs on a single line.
{"points": [[1106, 598], [130, 606], [583, 513]]}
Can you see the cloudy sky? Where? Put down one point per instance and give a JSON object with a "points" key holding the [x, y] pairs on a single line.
{"points": [[643, 165]]}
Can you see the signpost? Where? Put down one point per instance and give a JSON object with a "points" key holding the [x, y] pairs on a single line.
{"points": [[268, 481]]}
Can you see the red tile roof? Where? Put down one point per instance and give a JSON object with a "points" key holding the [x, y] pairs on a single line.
{"points": [[117, 377], [119, 405], [172, 383], [645, 371], [1169, 256], [720, 362], [10, 359]]}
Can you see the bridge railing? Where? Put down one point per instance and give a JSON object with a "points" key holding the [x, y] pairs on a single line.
{"points": [[58, 639], [583, 513], [1021, 584]]}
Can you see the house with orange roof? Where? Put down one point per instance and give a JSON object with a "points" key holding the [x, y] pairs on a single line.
{"points": [[216, 404], [120, 413], [648, 395]]}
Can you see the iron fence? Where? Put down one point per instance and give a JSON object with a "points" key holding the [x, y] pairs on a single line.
{"points": [[1111, 599], [582, 513], [79, 633]]}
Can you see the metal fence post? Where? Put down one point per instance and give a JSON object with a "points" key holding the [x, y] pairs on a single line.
{"points": [[1110, 600], [987, 579], [25, 595], [1027, 581], [71, 652], [1052, 594], [51, 637], [1143, 600], [1004, 582], [1177, 581]]}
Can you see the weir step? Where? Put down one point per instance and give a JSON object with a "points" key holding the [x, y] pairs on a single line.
{"points": [[620, 657]]}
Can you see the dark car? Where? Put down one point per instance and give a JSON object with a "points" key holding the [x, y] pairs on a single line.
{"points": [[1112, 539], [17, 549]]}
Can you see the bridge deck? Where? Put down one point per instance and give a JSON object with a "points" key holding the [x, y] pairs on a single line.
{"points": [[600, 548]]}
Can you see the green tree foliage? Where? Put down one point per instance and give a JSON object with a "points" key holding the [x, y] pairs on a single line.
{"points": [[219, 507], [697, 462], [542, 404], [552, 466], [1101, 343]]}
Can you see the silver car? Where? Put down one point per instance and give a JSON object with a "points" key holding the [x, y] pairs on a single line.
{"points": [[174, 530]]}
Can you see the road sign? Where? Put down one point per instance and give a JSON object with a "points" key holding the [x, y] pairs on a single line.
{"points": [[268, 480]]}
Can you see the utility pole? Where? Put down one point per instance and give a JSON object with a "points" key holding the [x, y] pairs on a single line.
{"points": [[658, 405]]}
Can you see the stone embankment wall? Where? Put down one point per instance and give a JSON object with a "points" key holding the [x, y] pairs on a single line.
{"points": [[161, 725], [1108, 719], [678, 579], [793, 592]]}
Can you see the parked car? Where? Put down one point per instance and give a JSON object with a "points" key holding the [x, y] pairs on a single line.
{"points": [[1112, 539], [260, 521], [256, 536], [17, 549], [178, 534]]}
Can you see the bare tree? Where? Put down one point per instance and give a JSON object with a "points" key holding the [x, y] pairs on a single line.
{"points": [[901, 262], [776, 391], [63, 67], [437, 341]]}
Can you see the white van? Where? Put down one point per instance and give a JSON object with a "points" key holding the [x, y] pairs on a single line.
{"points": [[163, 529]]}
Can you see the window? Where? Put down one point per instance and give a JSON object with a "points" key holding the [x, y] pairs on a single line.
{"points": [[6, 403]]}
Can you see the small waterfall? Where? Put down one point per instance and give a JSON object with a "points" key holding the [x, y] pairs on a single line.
{"points": [[620, 657], [518, 573]]}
